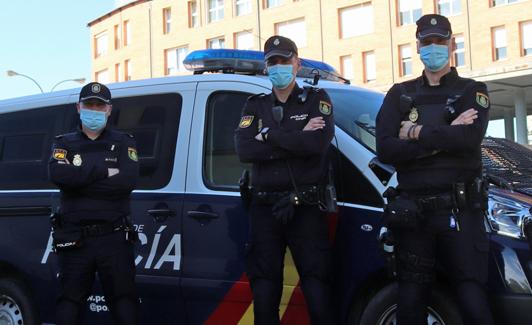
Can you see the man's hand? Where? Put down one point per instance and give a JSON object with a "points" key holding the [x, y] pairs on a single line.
{"points": [[405, 127], [315, 123], [466, 118], [112, 172]]}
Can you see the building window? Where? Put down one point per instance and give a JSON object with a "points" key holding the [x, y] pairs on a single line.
{"points": [[459, 54], [526, 38], [449, 7], [216, 43], [102, 76], [243, 7], [356, 20], [370, 69], [272, 3], [216, 10], [495, 3], [118, 36], [127, 70], [127, 33], [167, 20], [244, 41], [499, 43], [405, 54], [100, 44], [409, 11], [346, 65], [174, 60], [118, 72], [294, 30], [193, 19]]}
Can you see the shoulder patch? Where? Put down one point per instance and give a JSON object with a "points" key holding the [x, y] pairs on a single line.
{"points": [[325, 107], [482, 99], [59, 154], [245, 121], [132, 154]]}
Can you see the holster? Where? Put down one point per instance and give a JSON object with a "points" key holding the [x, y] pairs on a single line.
{"points": [[245, 191], [64, 239], [401, 212]]}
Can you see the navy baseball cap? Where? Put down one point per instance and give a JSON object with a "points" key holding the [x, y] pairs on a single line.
{"points": [[433, 26], [95, 90], [279, 46]]}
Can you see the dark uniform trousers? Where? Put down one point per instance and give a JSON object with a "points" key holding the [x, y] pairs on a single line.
{"points": [[462, 254], [112, 257], [306, 237]]}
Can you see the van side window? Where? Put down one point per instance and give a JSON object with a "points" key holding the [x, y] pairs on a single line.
{"points": [[154, 121], [221, 166], [351, 185], [25, 143]]}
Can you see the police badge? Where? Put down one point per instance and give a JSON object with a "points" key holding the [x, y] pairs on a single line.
{"points": [[413, 116], [77, 160]]}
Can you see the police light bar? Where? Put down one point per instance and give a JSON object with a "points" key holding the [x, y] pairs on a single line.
{"points": [[249, 62]]}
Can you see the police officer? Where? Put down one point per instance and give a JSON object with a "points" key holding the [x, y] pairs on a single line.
{"points": [[96, 168], [285, 135], [430, 129]]}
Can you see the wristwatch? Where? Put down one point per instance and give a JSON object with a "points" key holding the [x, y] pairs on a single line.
{"points": [[264, 133]]}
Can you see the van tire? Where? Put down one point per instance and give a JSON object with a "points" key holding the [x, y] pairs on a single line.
{"points": [[383, 306], [16, 305]]}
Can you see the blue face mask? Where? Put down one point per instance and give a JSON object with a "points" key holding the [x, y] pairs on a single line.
{"points": [[280, 75], [434, 56], [93, 120]]}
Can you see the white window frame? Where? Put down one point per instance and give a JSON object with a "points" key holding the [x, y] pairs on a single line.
{"points": [[243, 7], [452, 10], [216, 12], [526, 37], [405, 60], [500, 41], [289, 28], [370, 66], [167, 16], [409, 6], [244, 40], [101, 44], [127, 33], [458, 51], [346, 62], [102, 76], [211, 41], [272, 3], [356, 20]]}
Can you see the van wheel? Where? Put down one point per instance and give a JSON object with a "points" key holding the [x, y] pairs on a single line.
{"points": [[16, 306], [382, 308]]}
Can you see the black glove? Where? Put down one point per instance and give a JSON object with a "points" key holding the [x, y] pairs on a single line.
{"points": [[283, 210]]}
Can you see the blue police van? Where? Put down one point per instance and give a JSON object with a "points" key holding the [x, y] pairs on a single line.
{"points": [[189, 216]]}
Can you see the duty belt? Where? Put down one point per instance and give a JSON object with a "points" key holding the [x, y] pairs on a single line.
{"points": [[307, 195], [103, 229], [436, 202]]}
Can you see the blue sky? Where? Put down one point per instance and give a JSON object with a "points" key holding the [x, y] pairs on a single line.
{"points": [[46, 40], [49, 41]]}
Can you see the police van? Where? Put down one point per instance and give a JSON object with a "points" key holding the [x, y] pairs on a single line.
{"points": [[188, 212]]}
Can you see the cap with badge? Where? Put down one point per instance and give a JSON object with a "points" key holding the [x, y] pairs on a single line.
{"points": [[279, 46], [95, 90], [433, 26]]}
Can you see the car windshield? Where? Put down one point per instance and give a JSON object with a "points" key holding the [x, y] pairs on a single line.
{"points": [[355, 111]]}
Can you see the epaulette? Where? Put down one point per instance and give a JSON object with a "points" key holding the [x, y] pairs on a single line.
{"points": [[257, 96], [67, 135], [302, 98]]}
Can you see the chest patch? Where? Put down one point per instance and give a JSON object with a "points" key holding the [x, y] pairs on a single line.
{"points": [[325, 108], [245, 121], [300, 117], [132, 154]]}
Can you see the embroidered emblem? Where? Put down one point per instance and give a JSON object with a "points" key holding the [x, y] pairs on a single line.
{"points": [[413, 116], [245, 121], [276, 42], [325, 108], [77, 160], [59, 154], [433, 21], [483, 100], [132, 154], [95, 88]]}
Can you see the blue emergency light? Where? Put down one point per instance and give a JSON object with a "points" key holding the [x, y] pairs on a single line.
{"points": [[249, 62]]}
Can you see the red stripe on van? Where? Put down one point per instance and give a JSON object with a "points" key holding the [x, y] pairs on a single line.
{"points": [[234, 304]]}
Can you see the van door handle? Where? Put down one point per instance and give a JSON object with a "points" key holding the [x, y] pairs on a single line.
{"points": [[160, 215], [25, 211], [203, 217]]}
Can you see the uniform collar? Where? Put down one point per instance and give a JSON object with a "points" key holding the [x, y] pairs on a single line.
{"points": [[101, 136], [291, 98], [446, 79]]}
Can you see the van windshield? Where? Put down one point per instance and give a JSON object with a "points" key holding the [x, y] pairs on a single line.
{"points": [[355, 111]]}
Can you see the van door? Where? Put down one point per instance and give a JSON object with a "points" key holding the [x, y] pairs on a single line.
{"points": [[215, 225], [159, 118]]}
